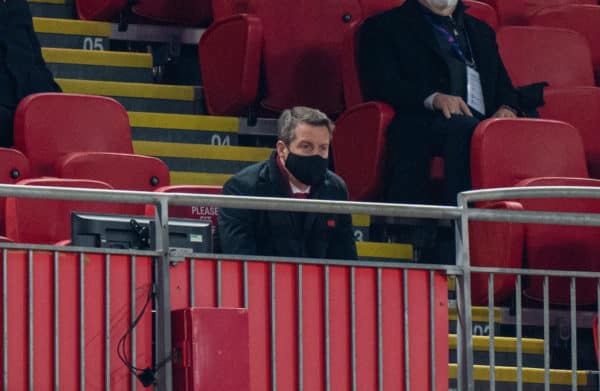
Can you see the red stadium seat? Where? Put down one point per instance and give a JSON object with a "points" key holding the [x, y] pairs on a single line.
{"points": [[510, 12], [40, 221], [522, 152], [179, 12], [584, 19], [532, 7], [482, 11], [100, 9], [557, 56], [14, 167], [580, 107], [201, 212], [121, 171], [50, 125]]}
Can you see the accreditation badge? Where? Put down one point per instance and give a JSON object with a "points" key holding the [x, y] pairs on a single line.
{"points": [[474, 91]]}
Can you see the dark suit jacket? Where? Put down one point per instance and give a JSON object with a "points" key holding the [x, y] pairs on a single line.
{"points": [[274, 233], [401, 63], [21, 62]]}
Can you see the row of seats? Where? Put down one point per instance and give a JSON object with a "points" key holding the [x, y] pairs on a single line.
{"points": [[528, 153], [45, 221]]}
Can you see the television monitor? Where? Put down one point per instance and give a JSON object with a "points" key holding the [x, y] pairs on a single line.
{"points": [[186, 236]]}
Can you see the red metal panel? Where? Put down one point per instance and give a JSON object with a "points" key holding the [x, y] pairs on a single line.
{"points": [[366, 328], [211, 349], [339, 321], [313, 327], [259, 325], [286, 328], [393, 330], [205, 272], [232, 292]]}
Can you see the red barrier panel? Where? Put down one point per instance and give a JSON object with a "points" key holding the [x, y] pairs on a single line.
{"points": [[95, 301], [320, 300]]}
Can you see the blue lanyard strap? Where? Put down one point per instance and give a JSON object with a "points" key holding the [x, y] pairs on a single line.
{"points": [[452, 40]]}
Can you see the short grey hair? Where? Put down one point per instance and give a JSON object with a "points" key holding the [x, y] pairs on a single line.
{"points": [[291, 118]]}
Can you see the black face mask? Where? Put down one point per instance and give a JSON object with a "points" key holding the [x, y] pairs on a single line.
{"points": [[309, 170]]}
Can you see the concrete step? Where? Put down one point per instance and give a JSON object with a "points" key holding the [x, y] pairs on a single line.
{"points": [[99, 65], [182, 128], [141, 96], [72, 34], [505, 351], [53, 8], [532, 379]]}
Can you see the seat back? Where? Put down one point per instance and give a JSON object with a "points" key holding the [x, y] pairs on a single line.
{"points": [[557, 56], [106, 10], [482, 11], [50, 125], [558, 247], [584, 19], [532, 7], [201, 212], [510, 12], [180, 12], [580, 107], [14, 167], [120, 171], [506, 151], [41, 221]]}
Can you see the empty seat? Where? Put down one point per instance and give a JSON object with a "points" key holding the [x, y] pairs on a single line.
{"points": [[50, 125], [121, 171], [532, 7], [106, 10], [201, 212], [510, 12], [482, 11], [584, 19], [523, 152], [45, 221], [558, 56], [179, 12], [580, 107]]}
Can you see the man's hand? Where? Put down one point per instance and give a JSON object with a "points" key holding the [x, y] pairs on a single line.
{"points": [[504, 112], [449, 104]]}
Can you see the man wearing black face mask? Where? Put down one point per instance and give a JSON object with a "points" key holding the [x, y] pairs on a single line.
{"points": [[297, 168]]}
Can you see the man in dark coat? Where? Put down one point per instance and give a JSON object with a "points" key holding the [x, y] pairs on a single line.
{"points": [[22, 68], [441, 71], [297, 168]]}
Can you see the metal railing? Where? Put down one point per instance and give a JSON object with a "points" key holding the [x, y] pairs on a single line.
{"points": [[462, 214]]}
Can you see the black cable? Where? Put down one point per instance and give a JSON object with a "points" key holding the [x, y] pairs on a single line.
{"points": [[145, 375]]}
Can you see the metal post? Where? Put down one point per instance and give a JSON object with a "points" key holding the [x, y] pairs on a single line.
{"points": [[466, 380], [163, 292]]}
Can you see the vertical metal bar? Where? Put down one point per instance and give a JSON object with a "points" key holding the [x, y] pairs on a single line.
{"points": [[300, 328], [107, 323], [432, 306], [353, 325], [163, 298], [598, 320], [132, 312], [273, 331], [4, 320], [192, 282], [519, 326], [326, 328], [546, 333], [406, 331], [245, 284], [30, 312], [81, 321], [56, 347], [492, 332], [573, 309], [219, 285], [379, 331], [466, 380]]}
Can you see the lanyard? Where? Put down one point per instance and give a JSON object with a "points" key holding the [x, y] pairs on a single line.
{"points": [[470, 61]]}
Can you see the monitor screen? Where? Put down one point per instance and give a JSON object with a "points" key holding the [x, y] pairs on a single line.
{"points": [[186, 236]]}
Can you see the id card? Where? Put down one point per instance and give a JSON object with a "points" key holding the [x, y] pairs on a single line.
{"points": [[474, 91]]}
